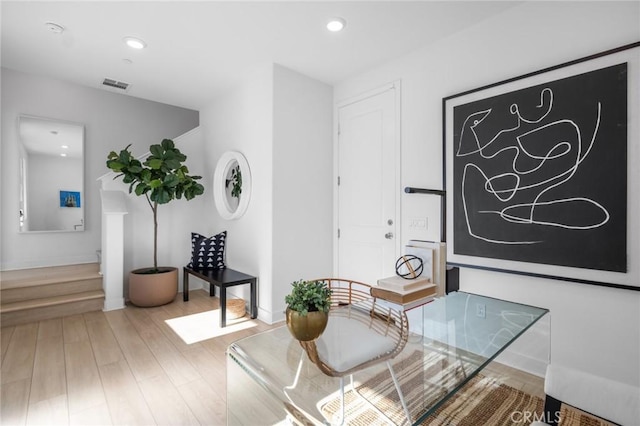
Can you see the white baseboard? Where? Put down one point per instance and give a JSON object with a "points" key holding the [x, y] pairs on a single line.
{"points": [[519, 361], [113, 304], [269, 317]]}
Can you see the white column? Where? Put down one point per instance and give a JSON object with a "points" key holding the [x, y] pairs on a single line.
{"points": [[113, 211]]}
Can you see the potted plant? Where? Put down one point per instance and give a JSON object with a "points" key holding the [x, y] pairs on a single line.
{"points": [[161, 179], [307, 309]]}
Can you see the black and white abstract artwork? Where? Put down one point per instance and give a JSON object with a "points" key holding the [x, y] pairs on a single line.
{"points": [[540, 173]]}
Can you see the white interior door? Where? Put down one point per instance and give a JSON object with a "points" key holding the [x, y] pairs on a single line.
{"points": [[368, 157]]}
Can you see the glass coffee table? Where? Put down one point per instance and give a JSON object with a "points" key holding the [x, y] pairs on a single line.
{"points": [[271, 380]]}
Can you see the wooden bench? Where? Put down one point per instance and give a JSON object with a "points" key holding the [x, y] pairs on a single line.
{"points": [[222, 278]]}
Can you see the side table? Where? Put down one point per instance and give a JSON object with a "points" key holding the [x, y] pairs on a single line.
{"points": [[222, 278]]}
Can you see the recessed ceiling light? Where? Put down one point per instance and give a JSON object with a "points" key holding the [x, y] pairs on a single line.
{"points": [[65, 147], [135, 43], [336, 24], [63, 155], [54, 28]]}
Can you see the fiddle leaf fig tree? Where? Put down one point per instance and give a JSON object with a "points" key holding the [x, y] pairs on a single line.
{"points": [[161, 178]]}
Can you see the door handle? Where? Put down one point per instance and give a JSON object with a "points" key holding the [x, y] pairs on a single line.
{"points": [[389, 235]]}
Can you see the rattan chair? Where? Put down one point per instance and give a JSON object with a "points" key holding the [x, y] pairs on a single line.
{"points": [[361, 332]]}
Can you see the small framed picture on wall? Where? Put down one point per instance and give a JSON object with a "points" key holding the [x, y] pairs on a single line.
{"points": [[70, 199]]}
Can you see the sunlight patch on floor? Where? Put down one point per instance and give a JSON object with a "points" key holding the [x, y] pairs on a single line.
{"points": [[206, 325]]}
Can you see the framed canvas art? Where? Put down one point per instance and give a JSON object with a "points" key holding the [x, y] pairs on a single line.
{"points": [[541, 172]]}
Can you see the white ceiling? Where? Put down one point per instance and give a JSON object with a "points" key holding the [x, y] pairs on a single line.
{"points": [[196, 50], [47, 137]]}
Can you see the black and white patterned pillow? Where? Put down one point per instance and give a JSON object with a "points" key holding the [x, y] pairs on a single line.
{"points": [[207, 253]]}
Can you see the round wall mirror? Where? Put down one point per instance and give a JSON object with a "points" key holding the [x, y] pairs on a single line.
{"points": [[232, 185]]}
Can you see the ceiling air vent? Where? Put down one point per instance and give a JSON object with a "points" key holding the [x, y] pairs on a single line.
{"points": [[120, 85]]}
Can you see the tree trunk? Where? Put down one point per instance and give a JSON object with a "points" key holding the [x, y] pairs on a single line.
{"points": [[155, 236]]}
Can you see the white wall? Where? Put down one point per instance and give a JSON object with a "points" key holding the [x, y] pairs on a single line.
{"points": [[302, 181], [111, 122], [281, 122], [592, 328], [242, 120]]}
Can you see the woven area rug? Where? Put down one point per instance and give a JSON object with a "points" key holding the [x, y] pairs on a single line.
{"points": [[482, 401]]}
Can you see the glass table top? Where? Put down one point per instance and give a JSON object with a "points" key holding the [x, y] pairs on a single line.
{"points": [[472, 330], [461, 334]]}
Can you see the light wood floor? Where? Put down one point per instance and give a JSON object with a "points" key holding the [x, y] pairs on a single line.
{"points": [[124, 367], [128, 367]]}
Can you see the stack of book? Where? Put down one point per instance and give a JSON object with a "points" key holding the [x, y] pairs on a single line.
{"points": [[434, 257], [402, 291]]}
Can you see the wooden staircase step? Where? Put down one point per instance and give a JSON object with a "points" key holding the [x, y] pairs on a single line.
{"points": [[48, 275], [16, 294], [50, 307], [50, 301], [38, 294]]}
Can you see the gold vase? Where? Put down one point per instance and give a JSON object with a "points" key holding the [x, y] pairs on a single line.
{"points": [[308, 327]]}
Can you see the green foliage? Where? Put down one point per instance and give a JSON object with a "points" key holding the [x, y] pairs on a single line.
{"points": [[309, 296], [161, 178], [236, 178]]}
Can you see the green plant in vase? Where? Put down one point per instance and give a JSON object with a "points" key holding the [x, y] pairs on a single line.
{"points": [[308, 306], [161, 178]]}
